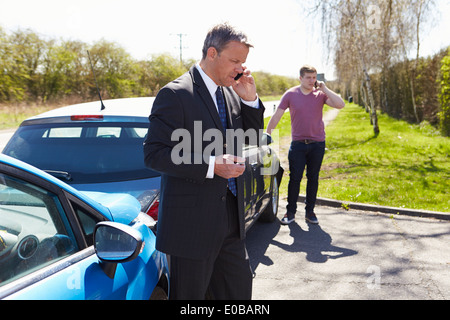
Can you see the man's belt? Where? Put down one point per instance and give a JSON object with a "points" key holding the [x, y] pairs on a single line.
{"points": [[307, 141]]}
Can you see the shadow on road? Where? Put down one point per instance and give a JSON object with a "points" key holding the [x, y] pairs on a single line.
{"points": [[259, 237], [314, 242]]}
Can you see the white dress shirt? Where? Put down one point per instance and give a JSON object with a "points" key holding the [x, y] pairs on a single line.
{"points": [[212, 88]]}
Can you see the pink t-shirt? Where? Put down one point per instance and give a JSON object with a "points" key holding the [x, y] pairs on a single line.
{"points": [[306, 113]]}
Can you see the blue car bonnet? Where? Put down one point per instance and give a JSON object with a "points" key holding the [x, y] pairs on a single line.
{"points": [[124, 208]]}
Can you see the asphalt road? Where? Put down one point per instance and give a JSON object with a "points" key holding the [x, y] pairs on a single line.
{"points": [[350, 255]]}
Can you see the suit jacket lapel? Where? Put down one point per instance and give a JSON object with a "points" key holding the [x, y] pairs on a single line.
{"points": [[205, 96]]}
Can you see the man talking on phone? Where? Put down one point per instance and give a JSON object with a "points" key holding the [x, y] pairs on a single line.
{"points": [[305, 103], [201, 211]]}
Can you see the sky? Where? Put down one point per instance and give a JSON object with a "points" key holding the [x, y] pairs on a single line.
{"points": [[284, 36]]}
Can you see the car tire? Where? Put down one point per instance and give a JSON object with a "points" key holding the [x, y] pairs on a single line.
{"points": [[270, 212]]}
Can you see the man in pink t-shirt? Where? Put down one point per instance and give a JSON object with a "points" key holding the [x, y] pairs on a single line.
{"points": [[305, 103]]}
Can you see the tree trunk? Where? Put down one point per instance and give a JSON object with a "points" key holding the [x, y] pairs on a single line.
{"points": [[413, 94], [373, 110], [364, 97], [413, 73]]}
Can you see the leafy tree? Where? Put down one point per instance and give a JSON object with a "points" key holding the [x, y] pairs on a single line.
{"points": [[272, 85], [13, 72], [163, 69], [34, 69], [113, 68], [444, 96], [28, 50]]}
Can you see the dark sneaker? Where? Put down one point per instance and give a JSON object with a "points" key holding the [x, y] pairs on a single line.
{"points": [[311, 218], [288, 218]]}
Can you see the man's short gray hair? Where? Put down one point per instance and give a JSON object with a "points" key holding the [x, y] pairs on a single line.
{"points": [[220, 35]]}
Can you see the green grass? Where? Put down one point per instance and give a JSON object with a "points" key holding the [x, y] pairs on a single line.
{"points": [[12, 116], [405, 166]]}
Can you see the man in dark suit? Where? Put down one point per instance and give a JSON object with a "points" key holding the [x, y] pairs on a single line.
{"points": [[201, 221]]}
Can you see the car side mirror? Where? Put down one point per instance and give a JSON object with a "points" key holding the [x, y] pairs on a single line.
{"points": [[116, 243], [266, 139]]}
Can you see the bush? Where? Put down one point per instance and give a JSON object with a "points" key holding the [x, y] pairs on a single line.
{"points": [[444, 95]]}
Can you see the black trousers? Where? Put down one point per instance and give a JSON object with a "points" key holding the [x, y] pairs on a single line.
{"points": [[301, 155], [224, 275]]}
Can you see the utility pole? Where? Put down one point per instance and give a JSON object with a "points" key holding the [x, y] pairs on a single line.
{"points": [[181, 35]]}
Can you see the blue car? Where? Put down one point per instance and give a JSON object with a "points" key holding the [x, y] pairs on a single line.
{"points": [[60, 243]]}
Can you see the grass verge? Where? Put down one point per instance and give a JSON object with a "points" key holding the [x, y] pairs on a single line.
{"points": [[12, 116], [404, 166]]}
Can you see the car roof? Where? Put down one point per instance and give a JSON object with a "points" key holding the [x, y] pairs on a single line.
{"points": [[108, 204], [126, 107], [12, 162]]}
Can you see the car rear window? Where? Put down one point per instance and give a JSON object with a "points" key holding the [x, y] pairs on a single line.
{"points": [[84, 152]]}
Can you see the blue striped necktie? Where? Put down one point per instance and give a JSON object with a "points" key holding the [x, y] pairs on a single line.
{"points": [[223, 119]]}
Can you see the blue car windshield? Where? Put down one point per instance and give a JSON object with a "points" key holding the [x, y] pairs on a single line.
{"points": [[84, 152]]}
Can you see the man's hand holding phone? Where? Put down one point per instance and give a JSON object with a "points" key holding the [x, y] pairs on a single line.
{"points": [[245, 85], [228, 166], [238, 76], [319, 85]]}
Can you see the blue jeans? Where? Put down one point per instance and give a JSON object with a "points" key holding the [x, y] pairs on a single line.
{"points": [[301, 155]]}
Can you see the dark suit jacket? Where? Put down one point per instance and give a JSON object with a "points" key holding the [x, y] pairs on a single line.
{"points": [[192, 207]]}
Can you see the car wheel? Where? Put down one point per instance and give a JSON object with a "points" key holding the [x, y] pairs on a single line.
{"points": [[270, 213]]}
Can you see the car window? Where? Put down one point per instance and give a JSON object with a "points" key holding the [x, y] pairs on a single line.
{"points": [[87, 222], [63, 133], [87, 152], [109, 132], [34, 231]]}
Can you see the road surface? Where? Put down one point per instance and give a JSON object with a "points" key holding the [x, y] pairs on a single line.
{"points": [[350, 255]]}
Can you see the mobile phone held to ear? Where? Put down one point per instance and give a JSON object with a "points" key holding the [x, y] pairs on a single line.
{"points": [[316, 85], [238, 76]]}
